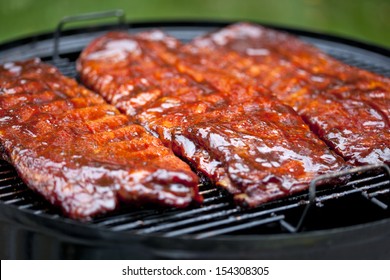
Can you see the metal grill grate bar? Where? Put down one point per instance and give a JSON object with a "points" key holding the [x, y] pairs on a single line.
{"points": [[10, 195], [238, 227], [181, 214], [193, 220]]}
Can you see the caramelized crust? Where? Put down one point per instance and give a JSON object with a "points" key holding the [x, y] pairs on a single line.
{"points": [[347, 107], [236, 134], [79, 152]]}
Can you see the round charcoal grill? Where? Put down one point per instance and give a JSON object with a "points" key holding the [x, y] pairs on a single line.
{"points": [[344, 221]]}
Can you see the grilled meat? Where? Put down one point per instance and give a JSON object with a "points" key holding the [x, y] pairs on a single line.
{"points": [[237, 135], [347, 107], [79, 152]]}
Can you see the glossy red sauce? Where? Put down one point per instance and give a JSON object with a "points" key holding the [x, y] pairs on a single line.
{"points": [[79, 152], [237, 134], [347, 107]]}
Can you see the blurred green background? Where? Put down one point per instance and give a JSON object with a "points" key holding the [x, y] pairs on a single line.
{"points": [[365, 20]]}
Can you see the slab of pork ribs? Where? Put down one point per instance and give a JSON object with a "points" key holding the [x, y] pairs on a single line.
{"points": [[347, 107], [236, 134], [79, 152]]}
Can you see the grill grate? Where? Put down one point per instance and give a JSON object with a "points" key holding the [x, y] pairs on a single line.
{"points": [[367, 196]]}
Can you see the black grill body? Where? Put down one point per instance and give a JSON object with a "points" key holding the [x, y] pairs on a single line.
{"points": [[347, 221]]}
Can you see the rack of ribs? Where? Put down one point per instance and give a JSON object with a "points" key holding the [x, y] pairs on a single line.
{"points": [[236, 135], [347, 107], [79, 152]]}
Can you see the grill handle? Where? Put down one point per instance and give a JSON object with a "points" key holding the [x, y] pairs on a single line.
{"points": [[119, 14], [328, 177]]}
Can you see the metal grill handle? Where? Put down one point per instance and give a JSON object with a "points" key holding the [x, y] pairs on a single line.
{"points": [[335, 175], [119, 14]]}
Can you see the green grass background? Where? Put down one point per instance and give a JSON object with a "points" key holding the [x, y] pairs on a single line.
{"points": [[365, 20]]}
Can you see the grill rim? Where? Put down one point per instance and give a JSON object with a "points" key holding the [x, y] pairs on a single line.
{"points": [[72, 231], [183, 23]]}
